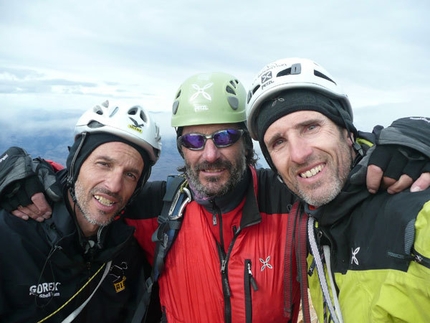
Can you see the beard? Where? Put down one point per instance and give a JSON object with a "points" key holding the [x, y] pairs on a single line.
{"points": [[83, 203], [326, 190], [215, 187]]}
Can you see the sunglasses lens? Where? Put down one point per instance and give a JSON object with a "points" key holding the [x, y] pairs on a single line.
{"points": [[193, 141], [225, 138], [222, 139]]}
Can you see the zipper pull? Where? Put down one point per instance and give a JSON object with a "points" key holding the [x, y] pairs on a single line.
{"points": [[224, 278], [214, 220], [251, 278]]}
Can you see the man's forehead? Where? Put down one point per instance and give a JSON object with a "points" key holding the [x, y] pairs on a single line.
{"points": [[302, 116], [114, 148]]}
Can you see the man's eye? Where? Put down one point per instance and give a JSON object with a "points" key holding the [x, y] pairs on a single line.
{"points": [[132, 176], [278, 142], [312, 127]]}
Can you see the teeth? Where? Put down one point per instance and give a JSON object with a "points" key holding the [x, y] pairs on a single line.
{"points": [[103, 200], [311, 172]]}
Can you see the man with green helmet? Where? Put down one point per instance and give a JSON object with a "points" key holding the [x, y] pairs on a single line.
{"points": [[233, 246]]}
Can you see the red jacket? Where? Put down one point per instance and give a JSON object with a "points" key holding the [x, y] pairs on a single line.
{"points": [[259, 281]]}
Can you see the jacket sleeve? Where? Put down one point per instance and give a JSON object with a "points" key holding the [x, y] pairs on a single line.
{"points": [[412, 132]]}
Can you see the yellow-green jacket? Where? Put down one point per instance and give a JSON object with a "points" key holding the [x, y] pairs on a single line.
{"points": [[379, 255]]}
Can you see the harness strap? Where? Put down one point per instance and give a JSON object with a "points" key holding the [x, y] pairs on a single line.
{"points": [[177, 196], [301, 254], [288, 271]]}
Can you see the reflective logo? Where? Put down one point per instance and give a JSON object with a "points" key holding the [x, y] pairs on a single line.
{"points": [[118, 274], [266, 263], [45, 290], [354, 253], [201, 91], [266, 77], [135, 125]]}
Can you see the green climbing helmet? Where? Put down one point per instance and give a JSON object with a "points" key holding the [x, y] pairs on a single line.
{"points": [[209, 98]]}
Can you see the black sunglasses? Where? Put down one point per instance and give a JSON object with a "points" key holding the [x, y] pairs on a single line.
{"points": [[221, 139]]}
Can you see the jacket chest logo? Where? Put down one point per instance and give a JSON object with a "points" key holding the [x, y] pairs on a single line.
{"points": [[118, 274], [266, 263], [354, 254]]}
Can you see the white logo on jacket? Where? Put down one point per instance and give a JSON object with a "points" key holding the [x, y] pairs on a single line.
{"points": [[45, 290], [354, 253], [266, 263]]}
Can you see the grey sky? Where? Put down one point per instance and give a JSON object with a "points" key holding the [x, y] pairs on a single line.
{"points": [[70, 55]]}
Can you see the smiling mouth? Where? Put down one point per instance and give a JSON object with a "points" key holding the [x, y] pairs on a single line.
{"points": [[104, 201], [213, 170], [311, 172]]}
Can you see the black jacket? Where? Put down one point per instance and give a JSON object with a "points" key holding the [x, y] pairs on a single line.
{"points": [[44, 268]]}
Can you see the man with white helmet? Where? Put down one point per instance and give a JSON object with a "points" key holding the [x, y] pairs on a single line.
{"points": [[370, 252], [83, 264]]}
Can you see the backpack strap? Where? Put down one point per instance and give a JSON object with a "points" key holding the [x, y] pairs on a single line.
{"points": [[175, 199]]}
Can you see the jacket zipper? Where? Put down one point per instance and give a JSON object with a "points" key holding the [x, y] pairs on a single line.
{"points": [[249, 283], [224, 268]]}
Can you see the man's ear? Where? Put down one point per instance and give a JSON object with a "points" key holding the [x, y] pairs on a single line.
{"points": [[351, 138], [348, 136]]}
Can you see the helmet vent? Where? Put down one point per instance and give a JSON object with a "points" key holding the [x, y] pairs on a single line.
{"points": [[284, 72], [319, 74], [98, 110], [230, 90], [252, 92], [143, 116], [95, 124], [234, 102], [295, 69], [234, 83], [135, 110]]}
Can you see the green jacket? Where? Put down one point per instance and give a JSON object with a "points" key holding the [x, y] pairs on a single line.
{"points": [[374, 258], [379, 247]]}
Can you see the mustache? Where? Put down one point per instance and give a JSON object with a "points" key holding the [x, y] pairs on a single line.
{"points": [[105, 191], [216, 164]]}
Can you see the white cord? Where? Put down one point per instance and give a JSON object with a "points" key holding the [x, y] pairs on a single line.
{"points": [[320, 270], [326, 250], [75, 313]]}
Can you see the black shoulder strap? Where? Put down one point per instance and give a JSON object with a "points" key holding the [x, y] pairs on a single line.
{"points": [[175, 199]]}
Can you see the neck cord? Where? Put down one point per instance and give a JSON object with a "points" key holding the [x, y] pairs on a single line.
{"points": [[75, 313]]}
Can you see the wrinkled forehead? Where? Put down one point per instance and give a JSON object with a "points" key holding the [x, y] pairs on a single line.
{"points": [[119, 152], [295, 120]]}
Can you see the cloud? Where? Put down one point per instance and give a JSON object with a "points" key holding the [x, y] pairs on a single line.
{"points": [[71, 55]]}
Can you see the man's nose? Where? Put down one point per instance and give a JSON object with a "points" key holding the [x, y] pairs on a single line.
{"points": [[210, 151], [299, 150], [113, 181]]}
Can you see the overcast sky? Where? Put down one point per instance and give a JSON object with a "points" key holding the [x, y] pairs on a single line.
{"points": [[64, 55]]}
